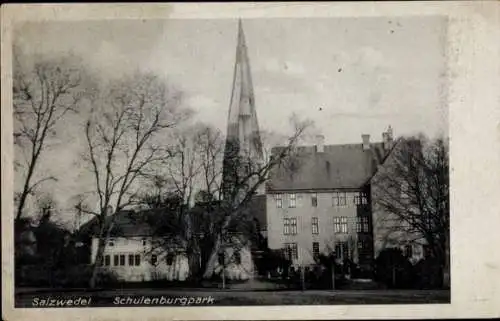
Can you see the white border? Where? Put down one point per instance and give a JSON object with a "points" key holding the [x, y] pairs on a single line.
{"points": [[474, 103]]}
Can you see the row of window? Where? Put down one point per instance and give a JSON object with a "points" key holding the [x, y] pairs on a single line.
{"points": [[133, 259], [342, 250], [120, 260], [339, 199], [340, 225]]}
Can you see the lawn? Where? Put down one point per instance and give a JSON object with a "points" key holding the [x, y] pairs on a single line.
{"points": [[101, 298]]}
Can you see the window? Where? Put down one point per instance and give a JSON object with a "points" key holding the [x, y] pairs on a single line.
{"points": [[290, 226], [122, 260], [315, 249], [115, 260], [131, 259], [364, 198], [107, 260], [137, 259], [362, 225], [366, 224], [292, 200], [286, 226], [408, 250], [221, 258], [170, 258], [340, 224], [291, 251], [144, 242], [314, 200], [279, 200], [360, 199], [417, 250], [339, 199], [237, 257], [293, 226], [111, 243], [154, 259], [315, 225], [341, 250]]}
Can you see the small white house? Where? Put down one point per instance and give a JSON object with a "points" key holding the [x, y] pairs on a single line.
{"points": [[136, 251], [140, 259]]}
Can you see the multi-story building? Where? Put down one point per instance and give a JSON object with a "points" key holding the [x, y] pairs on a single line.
{"points": [[319, 201]]}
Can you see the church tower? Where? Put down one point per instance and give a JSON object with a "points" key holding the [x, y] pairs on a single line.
{"points": [[243, 151]]}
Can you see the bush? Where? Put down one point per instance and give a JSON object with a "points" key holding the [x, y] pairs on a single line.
{"points": [[270, 262], [77, 276], [394, 270], [429, 274]]}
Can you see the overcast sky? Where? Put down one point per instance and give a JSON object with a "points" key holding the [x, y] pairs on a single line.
{"points": [[350, 75]]}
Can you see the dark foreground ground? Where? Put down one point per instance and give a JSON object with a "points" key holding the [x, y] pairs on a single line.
{"points": [[25, 297]]}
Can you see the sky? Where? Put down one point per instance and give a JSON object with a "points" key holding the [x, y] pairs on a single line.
{"points": [[351, 76]]}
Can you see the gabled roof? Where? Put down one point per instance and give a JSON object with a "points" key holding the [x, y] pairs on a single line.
{"points": [[162, 222], [345, 166], [131, 223]]}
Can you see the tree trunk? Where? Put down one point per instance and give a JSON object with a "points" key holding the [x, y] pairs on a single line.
{"points": [[97, 263], [22, 201], [209, 269], [302, 278], [101, 245], [224, 275], [333, 276], [394, 275], [26, 187]]}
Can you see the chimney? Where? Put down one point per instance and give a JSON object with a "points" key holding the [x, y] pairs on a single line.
{"points": [[366, 141], [320, 143], [389, 133], [387, 138]]}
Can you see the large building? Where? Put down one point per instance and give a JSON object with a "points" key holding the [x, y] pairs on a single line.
{"points": [[322, 204]]}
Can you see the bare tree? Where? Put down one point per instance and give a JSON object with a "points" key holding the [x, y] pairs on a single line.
{"points": [[220, 212], [43, 93], [412, 189], [193, 169], [125, 137], [248, 174]]}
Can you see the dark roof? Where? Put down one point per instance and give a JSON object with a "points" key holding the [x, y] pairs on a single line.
{"points": [[345, 166], [161, 222], [132, 223], [255, 210]]}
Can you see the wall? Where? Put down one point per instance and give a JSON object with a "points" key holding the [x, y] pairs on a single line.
{"points": [[145, 271], [387, 232], [304, 211], [234, 270]]}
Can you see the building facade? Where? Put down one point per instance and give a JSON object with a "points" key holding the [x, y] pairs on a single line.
{"points": [[139, 259], [323, 205], [390, 231]]}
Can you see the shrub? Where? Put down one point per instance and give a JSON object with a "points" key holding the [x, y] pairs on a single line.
{"points": [[429, 274], [393, 269]]}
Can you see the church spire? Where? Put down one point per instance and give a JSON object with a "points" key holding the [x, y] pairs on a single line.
{"points": [[242, 137]]}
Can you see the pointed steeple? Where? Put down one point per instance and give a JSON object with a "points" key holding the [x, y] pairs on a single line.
{"points": [[242, 137]]}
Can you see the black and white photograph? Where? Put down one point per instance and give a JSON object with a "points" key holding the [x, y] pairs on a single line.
{"points": [[233, 161]]}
